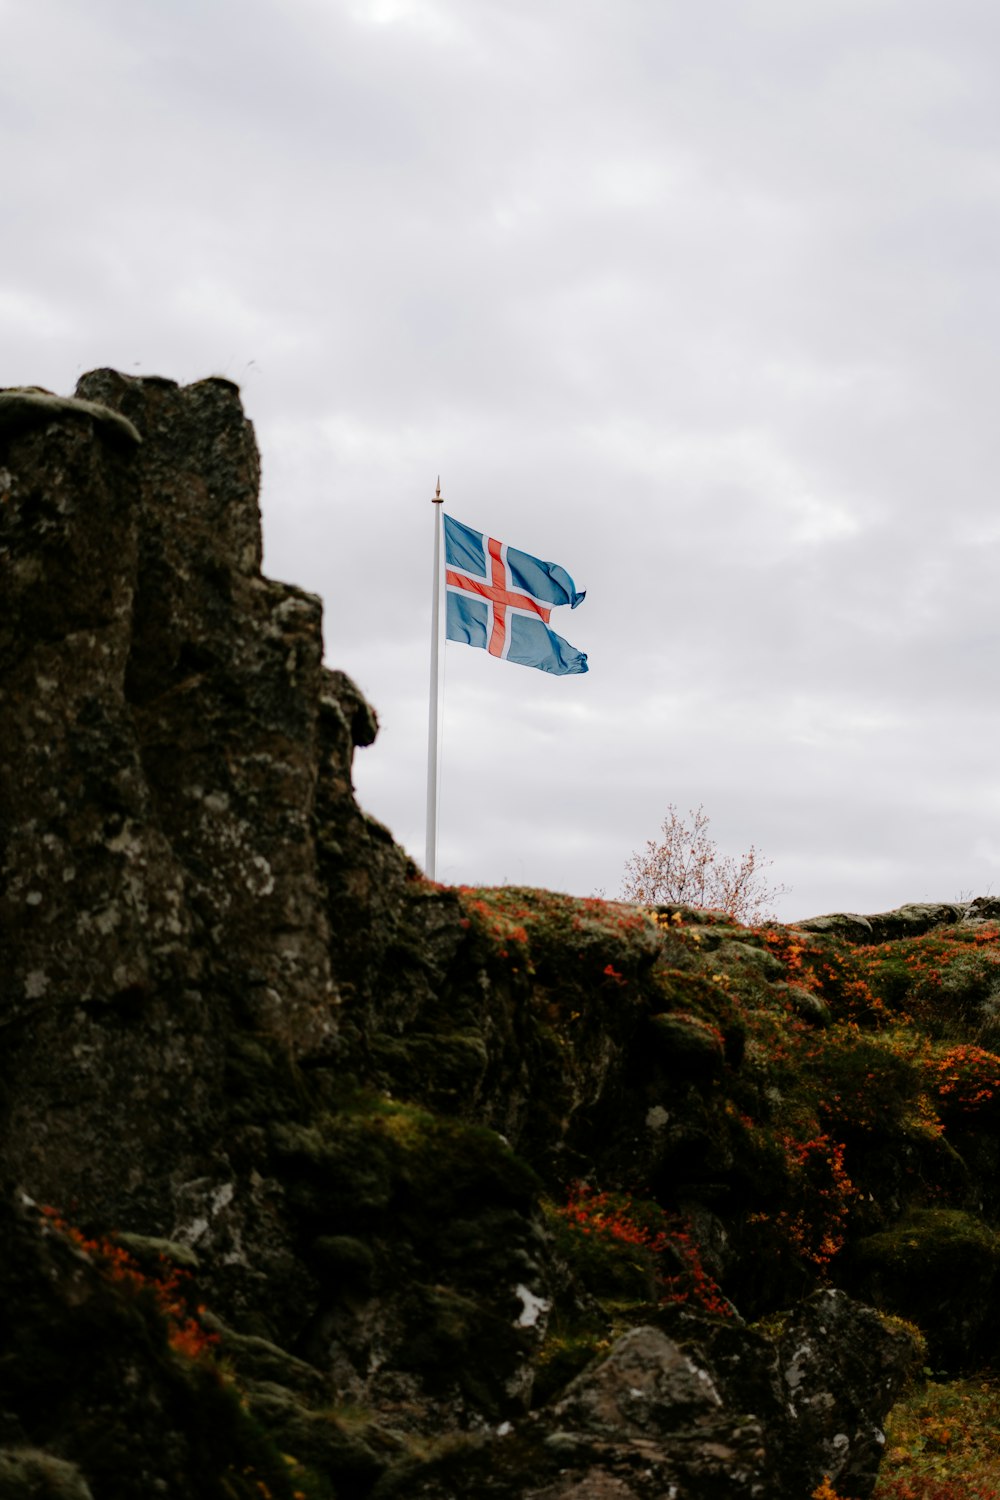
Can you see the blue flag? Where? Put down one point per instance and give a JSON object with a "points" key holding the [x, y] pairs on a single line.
{"points": [[501, 599]]}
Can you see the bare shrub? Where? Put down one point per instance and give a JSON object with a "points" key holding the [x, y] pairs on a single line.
{"points": [[684, 866]]}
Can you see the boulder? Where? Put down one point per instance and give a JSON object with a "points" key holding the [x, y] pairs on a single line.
{"points": [[716, 1412]]}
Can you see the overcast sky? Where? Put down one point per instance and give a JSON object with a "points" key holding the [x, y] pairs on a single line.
{"points": [[701, 301]]}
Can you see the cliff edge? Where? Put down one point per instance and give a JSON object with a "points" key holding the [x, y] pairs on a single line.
{"points": [[322, 1181]]}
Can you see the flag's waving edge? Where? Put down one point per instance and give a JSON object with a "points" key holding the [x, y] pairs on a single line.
{"points": [[500, 599]]}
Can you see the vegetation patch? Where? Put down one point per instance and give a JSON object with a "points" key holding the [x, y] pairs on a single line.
{"points": [[629, 1250], [943, 1443]]}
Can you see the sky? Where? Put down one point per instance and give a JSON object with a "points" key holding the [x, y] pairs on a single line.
{"points": [[699, 301]]}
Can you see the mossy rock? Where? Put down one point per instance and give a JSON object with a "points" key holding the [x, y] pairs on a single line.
{"points": [[73, 1330], [260, 1083], [258, 1360], [806, 1004], [27, 1474], [151, 1252], [933, 1243], [887, 1172], [344, 1259], [450, 1067], [318, 1441], [459, 1343], [366, 1169], [749, 955], [686, 1046], [545, 928], [939, 1269], [561, 1359], [494, 1248], [338, 1175], [458, 1463]]}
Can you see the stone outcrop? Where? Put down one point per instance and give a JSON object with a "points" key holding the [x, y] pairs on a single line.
{"points": [[94, 1400], [492, 1193], [727, 1414], [905, 921]]}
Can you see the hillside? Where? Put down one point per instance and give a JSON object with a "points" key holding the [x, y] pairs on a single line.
{"points": [[322, 1182]]}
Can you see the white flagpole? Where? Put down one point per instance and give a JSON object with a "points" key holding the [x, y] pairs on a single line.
{"points": [[430, 863]]}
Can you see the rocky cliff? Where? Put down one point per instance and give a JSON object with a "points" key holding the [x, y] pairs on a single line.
{"points": [[325, 1182]]}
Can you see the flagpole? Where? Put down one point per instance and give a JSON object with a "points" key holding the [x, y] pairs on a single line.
{"points": [[430, 863]]}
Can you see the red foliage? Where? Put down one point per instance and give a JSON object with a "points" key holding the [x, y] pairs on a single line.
{"points": [[815, 1225], [614, 1217], [842, 979], [184, 1332], [966, 1078]]}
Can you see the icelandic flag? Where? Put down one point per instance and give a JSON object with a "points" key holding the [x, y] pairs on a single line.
{"points": [[501, 599]]}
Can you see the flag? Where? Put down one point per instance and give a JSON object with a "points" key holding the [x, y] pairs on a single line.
{"points": [[501, 599]]}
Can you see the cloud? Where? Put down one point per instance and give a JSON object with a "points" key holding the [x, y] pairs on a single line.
{"points": [[700, 302]]}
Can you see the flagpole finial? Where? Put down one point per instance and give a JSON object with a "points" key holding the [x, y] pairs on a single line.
{"points": [[437, 498]]}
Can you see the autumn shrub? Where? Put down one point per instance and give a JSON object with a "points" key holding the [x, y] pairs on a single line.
{"points": [[965, 1081], [865, 1081], [825, 1490], [941, 980], [684, 865], [819, 1194], [623, 1247], [840, 975], [166, 1287], [797, 1218]]}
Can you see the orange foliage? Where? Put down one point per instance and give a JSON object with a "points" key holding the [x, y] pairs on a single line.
{"points": [[184, 1332], [614, 1217]]}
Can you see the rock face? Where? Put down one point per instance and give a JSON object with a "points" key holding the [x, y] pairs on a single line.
{"points": [[95, 1401], [469, 1185], [162, 743], [728, 1414]]}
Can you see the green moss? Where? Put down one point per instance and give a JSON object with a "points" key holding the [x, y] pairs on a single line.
{"points": [[687, 1046], [562, 1357], [538, 931], [937, 1268], [865, 1081], [261, 1083], [344, 1259], [335, 1176], [361, 1169], [916, 1373], [448, 1066], [321, 1455], [932, 1246]]}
